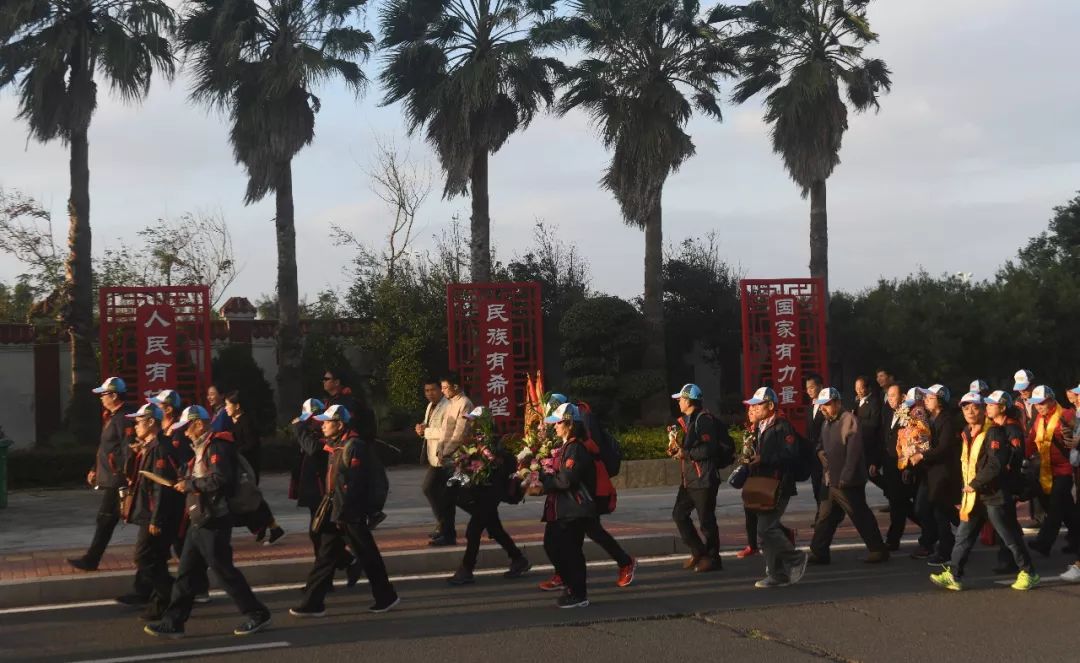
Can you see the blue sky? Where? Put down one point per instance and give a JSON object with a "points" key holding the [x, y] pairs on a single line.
{"points": [[974, 146]]}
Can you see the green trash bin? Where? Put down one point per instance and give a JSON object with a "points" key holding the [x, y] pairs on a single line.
{"points": [[4, 444]]}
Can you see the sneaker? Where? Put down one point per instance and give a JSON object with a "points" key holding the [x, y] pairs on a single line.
{"points": [[253, 625], [260, 536], [163, 630], [203, 598], [746, 552], [799, 571], [1072, 574], [946, 580], [553, 584], [305, 613], [626, 574], [518, 567], [383, 607], [81, 564], [921, 553], [571, 601], [276, 534], [691, 562], [132, 600], [1026, 581], [769, 583], [440, 541], [462, 576]]}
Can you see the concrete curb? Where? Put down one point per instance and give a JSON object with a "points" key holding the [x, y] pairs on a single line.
{"points": [[110, 584]]}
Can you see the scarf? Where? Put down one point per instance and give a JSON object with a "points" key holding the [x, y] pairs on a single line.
{"points": [[969, 457], [1044, 437]]}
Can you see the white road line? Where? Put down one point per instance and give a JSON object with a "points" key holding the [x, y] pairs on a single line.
{"points": [[191, 652], [644, 561]]}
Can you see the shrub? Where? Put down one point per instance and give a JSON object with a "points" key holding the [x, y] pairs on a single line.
{"points": [[643, 443]]}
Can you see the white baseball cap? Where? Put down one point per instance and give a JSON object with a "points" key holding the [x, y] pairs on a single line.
{"points": [[111, 385], [972, 397], [914, 394], [826, 395], [1040, 394], [979, 386], [335, 413], [565, 412], [762, 395], [940, 391], [147, 410], [310, 408], [190, 414], [1023, 379], [165, 397], [999, 397]]}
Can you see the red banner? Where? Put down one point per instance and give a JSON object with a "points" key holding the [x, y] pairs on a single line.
{"points": [[155, 333], [783, 324], [495, 339]]}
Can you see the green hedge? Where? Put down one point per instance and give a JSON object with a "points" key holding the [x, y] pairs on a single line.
{"points": [[643, 443]]}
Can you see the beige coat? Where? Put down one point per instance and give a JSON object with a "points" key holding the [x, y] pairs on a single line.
{"points": [[456, 428], [434, 418]]}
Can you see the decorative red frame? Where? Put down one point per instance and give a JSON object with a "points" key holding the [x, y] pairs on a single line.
{"points": [[464, 325], [191, 306], [757, 335]]}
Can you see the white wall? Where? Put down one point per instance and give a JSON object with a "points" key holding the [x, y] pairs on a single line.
{"points": [[17, 393]]}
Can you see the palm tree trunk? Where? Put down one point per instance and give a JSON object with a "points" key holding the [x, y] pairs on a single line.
{"points": [[819, 234], [480, 237], [656, 408], [289, 375], [78, 311]]}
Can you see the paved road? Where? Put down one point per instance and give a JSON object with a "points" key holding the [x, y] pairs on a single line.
{"points": [[844, 612]]}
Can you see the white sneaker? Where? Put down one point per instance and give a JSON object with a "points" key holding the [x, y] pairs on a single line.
{"points": [[769, 583], [1072, 574], [797, 572]]}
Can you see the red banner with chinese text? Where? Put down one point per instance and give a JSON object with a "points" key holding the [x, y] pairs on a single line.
{"points": [[155, 332], [784, 339], [497, 369]]}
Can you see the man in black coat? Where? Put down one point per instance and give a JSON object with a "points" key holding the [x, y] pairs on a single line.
{"points": [[900, 485], [107, 475], [814, 420], [939, 470]]}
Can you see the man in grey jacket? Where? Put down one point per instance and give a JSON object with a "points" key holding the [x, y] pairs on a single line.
{"points": [[844, 469]]}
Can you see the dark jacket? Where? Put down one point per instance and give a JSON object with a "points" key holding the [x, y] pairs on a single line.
{"points": [[247, 441], [890, 433], [571, 488], [349, 474], [700, 464], [207, 496], [117, 432], [813, 425], [778, 451], [155, 504], [181, 445], [842, 444], [362, 419], [941, 463], [990, 465], [869, 415], [311, 477]]}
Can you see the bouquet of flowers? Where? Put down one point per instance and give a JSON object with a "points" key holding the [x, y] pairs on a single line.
{"points": [[474, 461], [540, 448], [914, 434]]}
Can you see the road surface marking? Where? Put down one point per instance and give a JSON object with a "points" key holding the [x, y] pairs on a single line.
{"points": [[190, 652]]}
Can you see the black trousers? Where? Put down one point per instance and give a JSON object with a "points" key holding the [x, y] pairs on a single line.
{"points": [[594, 529], [839, 502], [258, 520], [901, 502], [939, 522], [209, 546], [107, 517], [359, 538], [484, 515], [702, 500], [563, 541], [1060, 510], [816, 481], [152, 579], [441, 499]]}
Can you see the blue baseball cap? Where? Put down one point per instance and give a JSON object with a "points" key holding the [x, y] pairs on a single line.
{"points": [[689, 390], [555, 401], [112, 385], [827, 395], [310, 408], [762, 395], [335, 413], [565, 412], [190, 414], [165, 397]]}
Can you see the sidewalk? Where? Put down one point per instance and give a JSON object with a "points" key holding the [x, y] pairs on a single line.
{"points": [[40, 529]]}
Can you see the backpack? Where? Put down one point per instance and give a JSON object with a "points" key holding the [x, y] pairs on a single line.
{"points": [[724, 447], [807, 457], [610, 449], [606, 497], [246, 496], [378, 484]]}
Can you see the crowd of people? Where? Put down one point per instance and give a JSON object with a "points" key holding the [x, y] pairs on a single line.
{"points": [[186, 476]]}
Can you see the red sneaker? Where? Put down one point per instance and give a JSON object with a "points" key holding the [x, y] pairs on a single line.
{"points": [[626, 574], [746, 552], [553, 584]]}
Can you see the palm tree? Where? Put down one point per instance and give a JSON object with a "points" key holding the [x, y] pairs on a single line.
{"points": [[259, 61], [648, 65], [467, 72], [802, 50], [52, 51]]}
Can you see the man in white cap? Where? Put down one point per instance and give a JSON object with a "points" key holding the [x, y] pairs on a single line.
{"points": [[1047, 439], [845, 475], [776, 457], [979, 386], [699, 458], [939, 474], [107, 475], [208, 483], [1023, 384]]}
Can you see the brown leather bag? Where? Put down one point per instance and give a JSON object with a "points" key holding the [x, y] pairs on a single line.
{"points": [[761, 493]]}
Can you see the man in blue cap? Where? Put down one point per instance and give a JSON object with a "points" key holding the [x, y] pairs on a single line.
{"points": [[107, 475], [699, 456]]}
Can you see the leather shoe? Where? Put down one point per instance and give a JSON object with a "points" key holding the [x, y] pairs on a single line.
{"points": [[81, 564], [877, 557], [811, 558], [691, 562], [707, 564], [443, 541]]}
